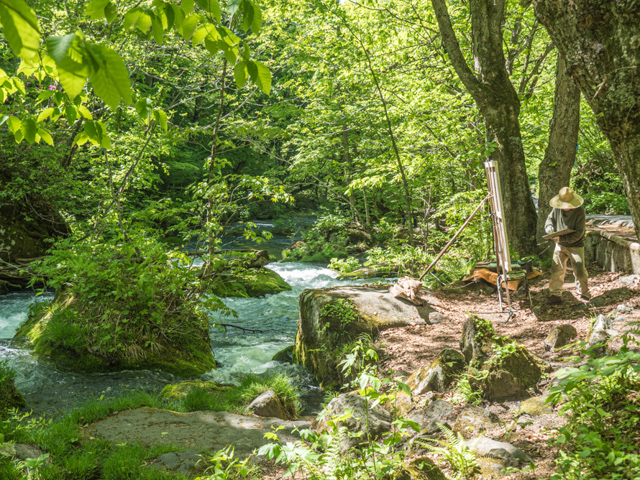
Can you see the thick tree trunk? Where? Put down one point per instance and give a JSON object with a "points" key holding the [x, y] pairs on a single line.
{"points": [[555, 169], [600, 41], [498, 102]]}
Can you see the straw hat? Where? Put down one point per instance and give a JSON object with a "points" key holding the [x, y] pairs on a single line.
{"points": [[566, 199]]}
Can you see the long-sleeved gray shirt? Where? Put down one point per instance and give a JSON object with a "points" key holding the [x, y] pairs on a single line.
{"points": [[573, 219]]}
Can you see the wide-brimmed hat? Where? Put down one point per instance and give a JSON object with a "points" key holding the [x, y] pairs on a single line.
{"points": [[567, 198]]}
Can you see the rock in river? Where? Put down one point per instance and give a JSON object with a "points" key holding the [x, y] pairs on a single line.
{"points": [[331, 319]]}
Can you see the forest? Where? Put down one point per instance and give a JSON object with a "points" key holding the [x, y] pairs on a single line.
{"points": [[189, 188]]}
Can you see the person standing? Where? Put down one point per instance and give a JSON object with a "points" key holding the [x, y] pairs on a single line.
{"points": [[567, 213]]}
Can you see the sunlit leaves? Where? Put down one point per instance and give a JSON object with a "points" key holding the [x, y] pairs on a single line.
{"points": [[99, 9], [77, 59], [212, 7], [109, 76], [71, 63], [20, 28], [240, 73], [94, 132], [260, 75]]}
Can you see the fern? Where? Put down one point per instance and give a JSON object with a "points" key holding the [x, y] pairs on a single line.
{"points": [[461, 459]]}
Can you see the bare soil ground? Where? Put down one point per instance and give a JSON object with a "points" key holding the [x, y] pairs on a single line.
{"points": [[407, 349]]}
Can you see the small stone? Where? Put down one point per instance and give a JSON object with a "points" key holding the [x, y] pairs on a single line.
{"points": [[439, 375], [437, 317], [268, 404], [629, 280], [364, 418], [436, 412], [623, 309], [483, 446], [559, 337], [619, 319], [596, 302], [536, 406], [473, 420]]}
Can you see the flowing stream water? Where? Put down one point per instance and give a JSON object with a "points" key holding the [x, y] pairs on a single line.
{"points": [[274, 318]]}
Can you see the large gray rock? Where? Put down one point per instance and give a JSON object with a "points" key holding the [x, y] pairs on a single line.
{"points": [[560, 336], [439, 375], [320, 335], [201, 431], [437, 411], [474, 420], [483, 446], [268, 404], [370, 421]]}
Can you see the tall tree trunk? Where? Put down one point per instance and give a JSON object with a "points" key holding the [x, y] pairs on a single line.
{"points": [[599, 40], [498, 102], [555, 169]]}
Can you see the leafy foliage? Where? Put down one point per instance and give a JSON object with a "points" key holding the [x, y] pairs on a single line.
{"points": [[601, 401]]}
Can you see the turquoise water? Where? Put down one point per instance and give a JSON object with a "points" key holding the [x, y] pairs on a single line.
{"points": [[275, 317]]}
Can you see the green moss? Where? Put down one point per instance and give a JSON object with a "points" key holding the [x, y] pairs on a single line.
{"points": [[177, 391], [253, 282], [284, 355], [64, 335], [10, 397]]}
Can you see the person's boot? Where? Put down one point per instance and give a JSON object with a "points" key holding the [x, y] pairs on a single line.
{"points": [[554, 300], [585, 296]]}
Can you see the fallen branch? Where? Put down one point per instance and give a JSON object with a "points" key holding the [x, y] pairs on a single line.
{"points": [[225, 325]]}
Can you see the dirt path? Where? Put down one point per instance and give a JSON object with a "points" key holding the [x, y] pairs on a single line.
{"points": [[406, 349]]}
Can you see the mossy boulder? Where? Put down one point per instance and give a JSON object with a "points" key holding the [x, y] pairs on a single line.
{"points": [[285, 355], [536, 406], [505, 369], [176, 391], [253, 282], [332, 319], [478, 337], [10, 397], [66, 332], [439, 375], [25, 235], [512, 373]]}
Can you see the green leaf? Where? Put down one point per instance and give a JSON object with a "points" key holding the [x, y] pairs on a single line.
{"points": [[212, 7], [240, 73], [95, 9], [256, 21], [69, 54], [178, 16], [131, 17], [208, 31], [46, 136], [111, 12], [109, 76], [189, 25], [70, 113], [103, 136], [29, 130], [186, 6], [161, 118], [14, 124], [84, 111], [20, 28], [247, 15], [46, 113], [233, 6], [158, 31], [144, 107], [260, 75]]}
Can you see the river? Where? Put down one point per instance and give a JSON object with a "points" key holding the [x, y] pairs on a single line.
{"points": [[50, 390]]}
